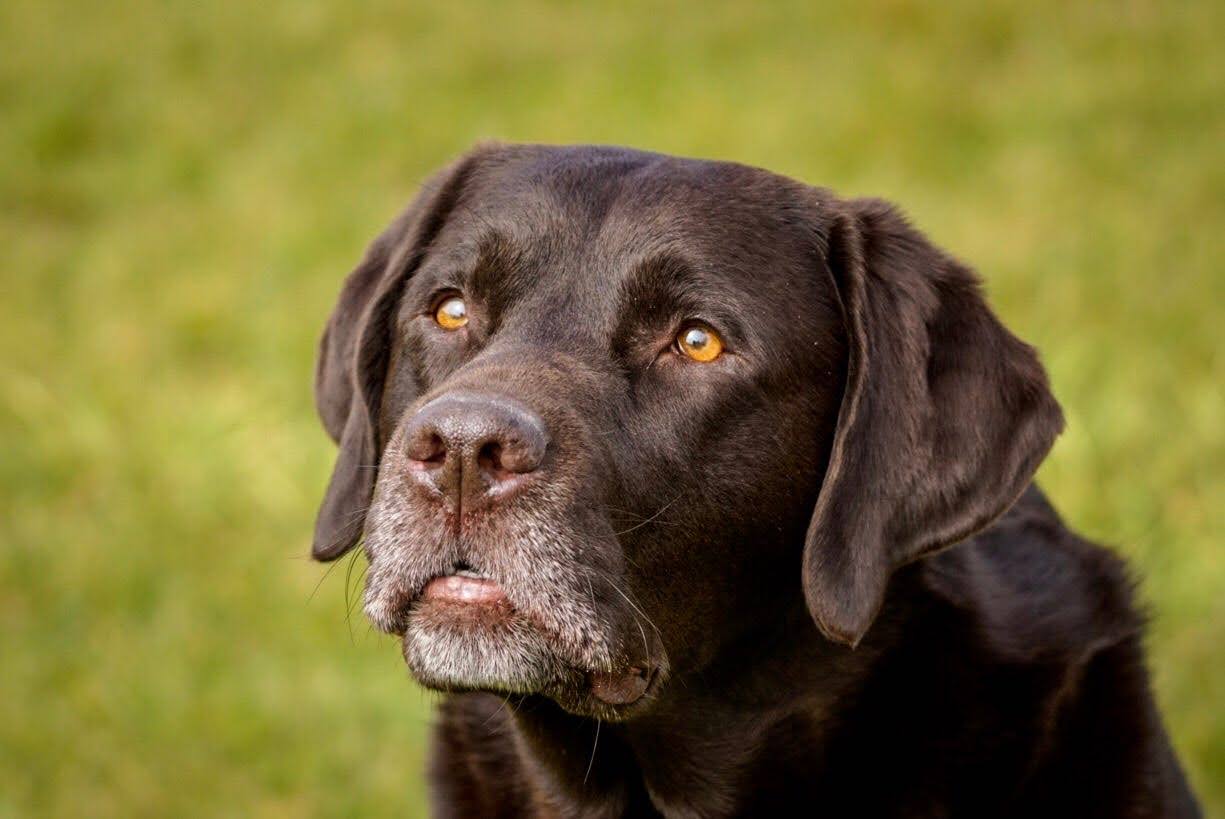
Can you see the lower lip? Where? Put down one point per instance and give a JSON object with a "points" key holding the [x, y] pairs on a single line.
{"points": [[620, 689], [458, 589]]}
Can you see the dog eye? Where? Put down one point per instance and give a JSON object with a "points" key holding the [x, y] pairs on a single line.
{"points": [[451, 313], [699, 342]]}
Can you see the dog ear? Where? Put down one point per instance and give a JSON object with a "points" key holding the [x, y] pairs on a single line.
{"points": [[944, 419], [354, 351]]}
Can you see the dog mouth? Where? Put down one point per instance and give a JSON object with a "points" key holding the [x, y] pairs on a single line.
{"points": [[465, 586], [463, 632]]}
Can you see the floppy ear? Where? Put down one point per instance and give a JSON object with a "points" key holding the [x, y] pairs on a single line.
{"points": [[353, 356], [944, 419]]}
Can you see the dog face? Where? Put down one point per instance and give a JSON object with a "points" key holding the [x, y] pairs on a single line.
{"points": [[603, 412]]}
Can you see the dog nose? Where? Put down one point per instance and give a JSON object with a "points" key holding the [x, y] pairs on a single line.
{"points": [[471, 447]]}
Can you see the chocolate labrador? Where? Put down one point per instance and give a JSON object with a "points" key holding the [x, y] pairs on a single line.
{"points": [[704, 492]]}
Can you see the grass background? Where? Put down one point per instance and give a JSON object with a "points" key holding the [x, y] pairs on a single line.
{"points": [[183, 185]]}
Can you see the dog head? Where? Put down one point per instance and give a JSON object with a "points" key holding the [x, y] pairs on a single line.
{"points": [[601, 412]]}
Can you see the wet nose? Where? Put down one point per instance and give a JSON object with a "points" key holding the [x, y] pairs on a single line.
{"points": [[471, 448]]}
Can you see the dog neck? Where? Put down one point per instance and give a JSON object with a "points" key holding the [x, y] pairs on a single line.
{"points": [[702, 743]]}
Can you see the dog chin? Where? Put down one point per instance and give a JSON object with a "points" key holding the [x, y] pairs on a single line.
{"points": [[446, 652]]}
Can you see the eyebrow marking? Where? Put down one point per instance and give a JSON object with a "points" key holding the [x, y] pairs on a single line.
{"points": [[498, 269], [669, 285], [665, 276]]}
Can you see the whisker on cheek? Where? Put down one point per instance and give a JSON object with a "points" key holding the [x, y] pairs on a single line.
{"points": [[652, 518]]}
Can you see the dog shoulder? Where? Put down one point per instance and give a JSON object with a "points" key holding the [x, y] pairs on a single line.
{"points": [[1038, 596], [1037, 591]]}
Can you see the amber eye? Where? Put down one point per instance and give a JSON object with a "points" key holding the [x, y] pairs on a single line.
{"points": [[699, 342], [451, 313]]}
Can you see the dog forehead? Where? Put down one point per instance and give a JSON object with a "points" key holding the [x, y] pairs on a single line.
{"points": [[596, 213], [586, 191]]}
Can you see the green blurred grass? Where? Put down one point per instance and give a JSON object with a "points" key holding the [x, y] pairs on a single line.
{"points": [[183, 185]]}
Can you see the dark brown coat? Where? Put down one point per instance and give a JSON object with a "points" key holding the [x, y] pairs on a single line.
{"points": [[793, 580]]}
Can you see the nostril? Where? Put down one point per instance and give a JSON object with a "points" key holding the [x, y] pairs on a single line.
{"points": [[489, 458], [503, 458], [522, 455], [428, 449]]}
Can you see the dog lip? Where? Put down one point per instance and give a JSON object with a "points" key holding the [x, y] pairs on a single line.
{"points": [[464, 586], [621, 688]]}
